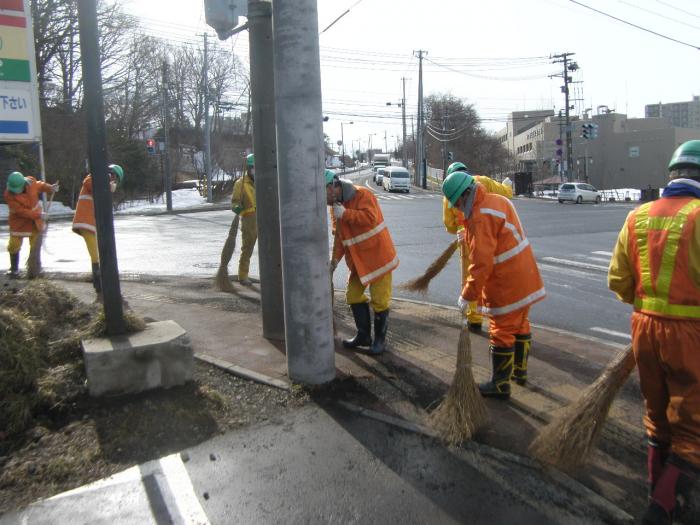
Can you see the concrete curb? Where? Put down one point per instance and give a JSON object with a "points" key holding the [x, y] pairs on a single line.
{"points": [[605, 508], [245, 373]]}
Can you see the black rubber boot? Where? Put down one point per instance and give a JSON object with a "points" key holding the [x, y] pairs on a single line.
{"points": [[13, 272], [502, 364], [380, 325], [523, 342], [671, 492], [364, 329]]}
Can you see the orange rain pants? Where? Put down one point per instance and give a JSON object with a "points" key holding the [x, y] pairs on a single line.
{"points": [[668, 360], [504, 328]]}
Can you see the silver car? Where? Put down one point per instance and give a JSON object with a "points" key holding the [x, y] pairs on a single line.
{"points": [[578, 192]]}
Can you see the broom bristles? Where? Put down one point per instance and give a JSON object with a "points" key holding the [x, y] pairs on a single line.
{"points": [[569, 438], [463, 412], [222, 280], [420, 284]]}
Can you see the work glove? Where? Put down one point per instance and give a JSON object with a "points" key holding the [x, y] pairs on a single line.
{"points": [[338, 210], [334, 265], [55, 187], [462, 303], [461, 235]]}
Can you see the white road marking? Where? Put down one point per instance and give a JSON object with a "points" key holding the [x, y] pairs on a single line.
{"points": [[569, 272], [610, 332], [609, 254], [598, 259], [576, 264]]}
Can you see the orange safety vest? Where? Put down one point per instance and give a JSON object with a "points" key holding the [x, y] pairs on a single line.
{"points": [[362, 236], [503, 273], [25, 208], [84, 218], [660, 235]]}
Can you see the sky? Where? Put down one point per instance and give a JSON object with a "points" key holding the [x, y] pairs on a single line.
{"points": [[494, 55]]}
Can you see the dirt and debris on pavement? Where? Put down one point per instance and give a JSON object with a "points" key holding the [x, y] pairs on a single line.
{"points": [[67, 438]]}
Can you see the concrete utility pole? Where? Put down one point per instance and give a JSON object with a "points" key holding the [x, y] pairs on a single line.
{"points": [[421, 146], [403, 122], [564, 59], [207, 128], [97, 153], [166, 150], [303, 211], [262, 89]]}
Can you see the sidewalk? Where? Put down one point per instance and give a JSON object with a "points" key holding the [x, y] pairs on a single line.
{"points": [[415, 374], [401, 386]]}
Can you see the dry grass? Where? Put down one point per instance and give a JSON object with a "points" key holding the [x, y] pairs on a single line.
{"points": [[568, 439], [463, 412], [98, 328], [420, 284]]}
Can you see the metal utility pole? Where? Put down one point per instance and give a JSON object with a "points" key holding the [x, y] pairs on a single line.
{"points": [[386, 145], [207, 128], [403, 122], [97, 153], [262, 88], [166, 151], [564, 59], [303, 211], [421, 146]]}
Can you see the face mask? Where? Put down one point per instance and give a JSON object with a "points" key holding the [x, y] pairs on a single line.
{"points": [[112, 186]]}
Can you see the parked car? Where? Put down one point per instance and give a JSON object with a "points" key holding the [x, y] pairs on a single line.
{"points": [[396, 178], [578, 192], [379, 176]]}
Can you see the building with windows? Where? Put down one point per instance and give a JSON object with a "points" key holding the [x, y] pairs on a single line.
{"points": [[626, 152], [678, 114]]}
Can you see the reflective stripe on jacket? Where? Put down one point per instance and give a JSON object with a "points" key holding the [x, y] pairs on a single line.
{"points": [[243, 198], [656, 261], [25, 208], [452, 217], [84, 217], [503, 273], [362, 236]]}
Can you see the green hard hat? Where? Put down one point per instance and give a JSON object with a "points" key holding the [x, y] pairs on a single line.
{"points": [[456, 166], [687, 155], [330, 176], [16, 182], [455, 184], [250, 160], [117, 170]]}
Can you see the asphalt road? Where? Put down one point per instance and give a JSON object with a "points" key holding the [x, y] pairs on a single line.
{"points": [[572, 244]]}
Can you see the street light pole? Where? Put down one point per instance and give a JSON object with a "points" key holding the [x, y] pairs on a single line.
{"points": [[342, 141]]}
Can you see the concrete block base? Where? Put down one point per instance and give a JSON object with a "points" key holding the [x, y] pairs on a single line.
{"points": [[160, 356]]}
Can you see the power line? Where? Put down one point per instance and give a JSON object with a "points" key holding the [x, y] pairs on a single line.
{"points": [[485, 77], [658, 14], [678, 8], [341, 16], [635, 25]]}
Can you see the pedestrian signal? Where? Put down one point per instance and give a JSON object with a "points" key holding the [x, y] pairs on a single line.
{"points": [[151, 146]]}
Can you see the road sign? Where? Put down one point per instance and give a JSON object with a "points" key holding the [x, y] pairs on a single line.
{"points": [[19, 100]]}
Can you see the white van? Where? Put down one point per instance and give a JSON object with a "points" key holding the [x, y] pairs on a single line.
{"points": [[396, 178]]}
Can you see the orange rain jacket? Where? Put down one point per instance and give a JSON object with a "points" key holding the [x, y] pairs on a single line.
{"points": [[84, 218], [503, 274], [362, 236], [452, 217], [25, 208], [656, 261]]}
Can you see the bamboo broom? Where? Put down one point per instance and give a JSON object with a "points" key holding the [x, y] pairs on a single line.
{"points": [[420, 284], [569, 438], [222, 280], [463, 412], [34, 259]]}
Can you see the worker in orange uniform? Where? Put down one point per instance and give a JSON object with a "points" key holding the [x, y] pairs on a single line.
{"points": [[503, 274], [26, 218], [84, 221], [243, 204], [452, 218], [361, 235], [656, 267]]}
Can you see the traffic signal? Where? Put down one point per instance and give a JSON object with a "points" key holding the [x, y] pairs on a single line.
{"points": [[151, 146], [450, 156], [594, 131], [589, 131]]}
